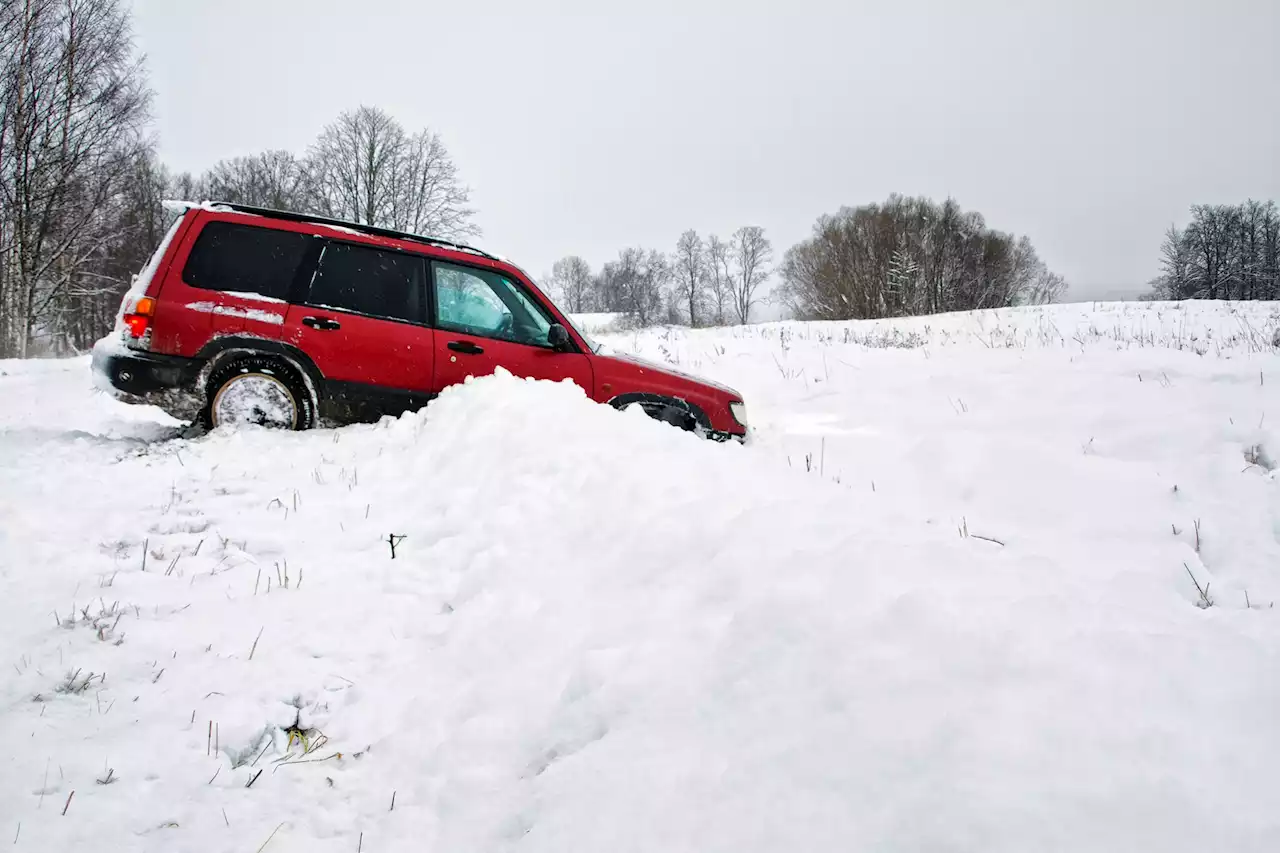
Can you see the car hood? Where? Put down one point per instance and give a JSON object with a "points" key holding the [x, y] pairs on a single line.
{"points": [[606, 352]]}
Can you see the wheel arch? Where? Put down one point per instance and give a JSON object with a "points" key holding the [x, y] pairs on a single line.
{"points": [[647, 399], [219, 350]]}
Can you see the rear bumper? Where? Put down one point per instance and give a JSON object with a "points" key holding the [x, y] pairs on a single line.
{"points": [[134, 376], [139, 373]]}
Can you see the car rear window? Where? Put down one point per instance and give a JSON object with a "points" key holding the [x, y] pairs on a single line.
{"points": [[370, 281], [245, 259]]}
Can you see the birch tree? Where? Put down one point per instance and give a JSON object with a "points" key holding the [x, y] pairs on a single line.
{"points": [[73, 106], [751, 253], [689, 266], [719, 279]]}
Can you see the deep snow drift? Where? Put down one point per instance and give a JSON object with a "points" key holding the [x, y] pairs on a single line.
{"points": [[948, 598]]}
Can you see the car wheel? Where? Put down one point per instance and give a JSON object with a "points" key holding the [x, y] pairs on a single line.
{"points": [[259, 391], [675, 416], [667, 413]]}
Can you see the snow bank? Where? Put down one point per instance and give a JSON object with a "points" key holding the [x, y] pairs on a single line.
{"points": [[594, 324], [939, 603], [1203, 327]]}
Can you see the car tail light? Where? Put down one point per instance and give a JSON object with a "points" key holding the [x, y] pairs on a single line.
{"points": [[138, 320]]}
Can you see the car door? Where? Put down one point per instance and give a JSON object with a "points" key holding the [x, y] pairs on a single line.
{"points": [[485, 320], [363, 323]]}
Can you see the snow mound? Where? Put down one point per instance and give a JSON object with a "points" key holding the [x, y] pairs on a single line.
{"points": [[521, 620]]}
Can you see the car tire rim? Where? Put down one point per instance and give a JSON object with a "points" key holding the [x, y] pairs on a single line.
{"points": [[254, 398]]}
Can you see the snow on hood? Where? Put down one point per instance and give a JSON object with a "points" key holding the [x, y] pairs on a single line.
{"points": [[608, 352]]}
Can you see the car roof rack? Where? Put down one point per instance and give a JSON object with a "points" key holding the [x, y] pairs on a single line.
{"points": [[290, 216]]}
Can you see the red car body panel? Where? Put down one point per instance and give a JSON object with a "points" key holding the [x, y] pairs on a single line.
{"points": [[364, 350]]}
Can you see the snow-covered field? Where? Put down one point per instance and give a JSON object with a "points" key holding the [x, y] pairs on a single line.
{"points": [[598, 324], [998, 581]]}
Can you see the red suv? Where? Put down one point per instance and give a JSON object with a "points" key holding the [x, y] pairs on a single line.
{"points": [[281, 319]]}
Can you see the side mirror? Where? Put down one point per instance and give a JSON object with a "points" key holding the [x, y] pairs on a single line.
{"points": [[558, 337]]}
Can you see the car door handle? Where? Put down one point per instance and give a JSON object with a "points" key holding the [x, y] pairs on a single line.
{"points": [[466, 347], [324, 324]]}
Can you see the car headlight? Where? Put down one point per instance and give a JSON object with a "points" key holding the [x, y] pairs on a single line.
{"points": [[739, 412]]}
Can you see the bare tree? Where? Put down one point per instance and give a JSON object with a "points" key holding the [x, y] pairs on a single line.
{"points": [[1049, 287], [689, 268], [636, 282], [430, 198], [365, 168], [605, 289], [188, 187], [1174, 266], [911, 256], [352, 166], [571, 278], [73, 105], [87, 308], [274, 179], [719, 279], [752, 253]]}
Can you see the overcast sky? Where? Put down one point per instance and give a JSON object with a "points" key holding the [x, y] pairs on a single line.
{"points": [[581, 128]]}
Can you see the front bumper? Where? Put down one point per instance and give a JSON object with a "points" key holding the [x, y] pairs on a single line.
{"points": [[719, 436]]}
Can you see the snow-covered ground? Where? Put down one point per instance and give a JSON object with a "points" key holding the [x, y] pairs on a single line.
{"points": [[597, 324], [998, 581]]}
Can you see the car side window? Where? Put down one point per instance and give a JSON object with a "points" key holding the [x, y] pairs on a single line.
{"points": [[487, 304], [369, 281], [237, 258]]}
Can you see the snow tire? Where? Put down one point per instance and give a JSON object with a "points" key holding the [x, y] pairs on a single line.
{"points": [[257, 389]]}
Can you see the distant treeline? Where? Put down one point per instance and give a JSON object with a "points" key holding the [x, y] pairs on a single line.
{"points": [[707, 282], [1227, 251], [904, 257]]}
